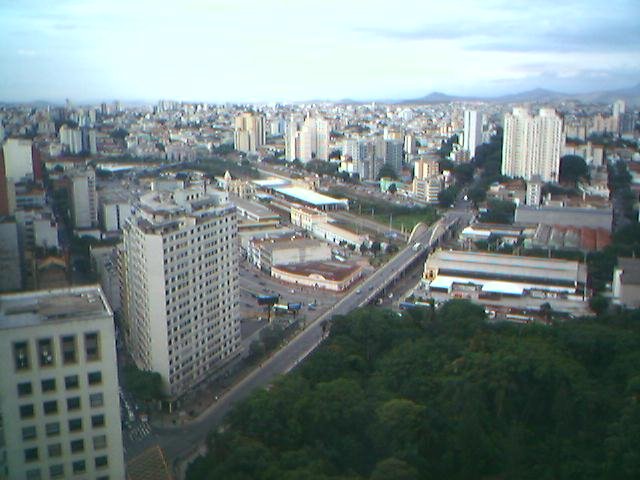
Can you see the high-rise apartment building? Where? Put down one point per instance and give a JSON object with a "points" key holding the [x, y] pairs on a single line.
{"points": [[472, 136], [18, 159], [59, 407], [180, 285], [308, 140], [84, 201], [425, 168], [249, 133], [532, 144]]}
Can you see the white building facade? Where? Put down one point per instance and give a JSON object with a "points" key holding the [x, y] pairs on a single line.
{"points": [[180, 285], [532, 144], [60, 404]]}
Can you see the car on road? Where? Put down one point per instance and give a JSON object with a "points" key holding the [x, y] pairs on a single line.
{"points": [[359, 290]]}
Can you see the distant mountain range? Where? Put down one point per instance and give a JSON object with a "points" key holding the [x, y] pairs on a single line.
{"points": [[630, 95]]}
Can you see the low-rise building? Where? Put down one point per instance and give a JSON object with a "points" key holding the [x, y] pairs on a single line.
{"points": [[318, 224], [268, 253], [333, 276], [511, 280], [626, 282], [568, 216]]}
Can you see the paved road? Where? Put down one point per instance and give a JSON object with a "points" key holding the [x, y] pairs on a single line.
{"points": [[179, 443]]}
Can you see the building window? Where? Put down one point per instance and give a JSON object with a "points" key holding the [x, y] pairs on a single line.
{"points": [[71, 382], [24, 389], [73, 403], [30, 454], [29, 433], [21, 355], [99, 442], [56, 471], [52, 429], [69, 351], [77, 446], [79, 466], [102, 462], [75, 424], [54, 450], [97, 420], [48, 385], [96, 400], [50, 407], [91, 347], [94, 378], [26, 411], [45, 352], [34, 474]]}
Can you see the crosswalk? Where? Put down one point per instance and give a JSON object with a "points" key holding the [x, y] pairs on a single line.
{"points": [[139, 431]]}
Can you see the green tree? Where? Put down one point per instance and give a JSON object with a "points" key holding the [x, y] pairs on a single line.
{"points": [[448, 196], [394, 469], [392, 189], [388, 171], [573, 168], [143, 385]]}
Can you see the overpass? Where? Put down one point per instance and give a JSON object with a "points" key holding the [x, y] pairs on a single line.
{"points": [[180, 443]]}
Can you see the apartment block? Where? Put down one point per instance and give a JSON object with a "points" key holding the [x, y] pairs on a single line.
{"points": [[179, 276]]}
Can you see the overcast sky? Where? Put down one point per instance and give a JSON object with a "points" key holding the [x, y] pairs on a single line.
{"points": [[284, 50]]}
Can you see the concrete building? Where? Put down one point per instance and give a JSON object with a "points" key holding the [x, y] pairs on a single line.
{"points": [[84, 200], [37, 228], [180, 285], [104, 261], [71, 138], [424, 168], [249, 134], [626, 282], [567, 216], [532, 144], [318, 224], [18, 159], [308, 140], [472, 136], [428, 189], [268, 253], [60, 405], [534, 191], [11, 276], [510, 280], [332, 276]]}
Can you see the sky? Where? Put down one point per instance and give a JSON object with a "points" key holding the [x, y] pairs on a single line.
{"points": [[296, 50]]}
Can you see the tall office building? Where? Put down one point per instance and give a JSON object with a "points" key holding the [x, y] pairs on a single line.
{"points": [[249, 133], [180, 285], [532, 144], [84, 200], [472, 136], [59, 407]]}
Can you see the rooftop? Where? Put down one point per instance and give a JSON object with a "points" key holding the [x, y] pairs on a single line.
{"points": [[519, 266], [309, 196], [52, 306], [333, 271]]}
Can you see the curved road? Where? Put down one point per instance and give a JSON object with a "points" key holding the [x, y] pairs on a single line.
{"points": [[180, 442]]}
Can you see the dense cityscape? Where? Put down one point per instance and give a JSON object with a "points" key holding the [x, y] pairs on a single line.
{"points": [[427, 287]]}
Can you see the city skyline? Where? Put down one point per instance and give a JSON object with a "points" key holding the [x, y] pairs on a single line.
{"points": [[275, 51]]}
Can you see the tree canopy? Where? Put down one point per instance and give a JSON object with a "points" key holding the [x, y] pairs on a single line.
{"points": [[572, 169], [444, 394], [141, 384]]}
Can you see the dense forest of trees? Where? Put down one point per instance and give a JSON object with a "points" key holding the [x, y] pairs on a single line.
{"points": [[444, 394]]}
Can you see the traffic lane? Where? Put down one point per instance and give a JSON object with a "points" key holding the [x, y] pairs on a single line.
{"points": [[281, 362]]}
